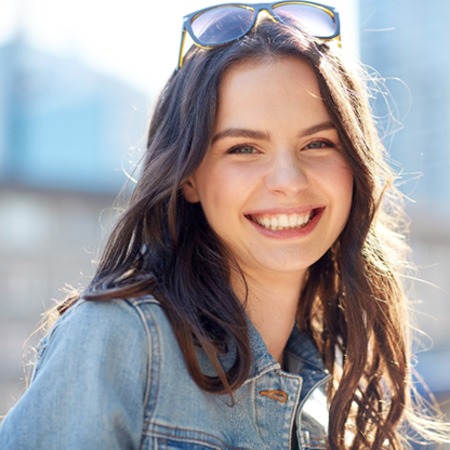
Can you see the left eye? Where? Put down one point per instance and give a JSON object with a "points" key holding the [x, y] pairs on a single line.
{"points": [[242, 150], [318, 145]]}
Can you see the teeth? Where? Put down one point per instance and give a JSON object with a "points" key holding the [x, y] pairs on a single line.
{"points": [[283, 221]]}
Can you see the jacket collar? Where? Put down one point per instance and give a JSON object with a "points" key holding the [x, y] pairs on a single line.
{"points": [[301, 358]]}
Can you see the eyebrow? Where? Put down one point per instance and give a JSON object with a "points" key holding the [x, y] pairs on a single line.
{"points": [[317, 129], [240, 132], [261, 135]]}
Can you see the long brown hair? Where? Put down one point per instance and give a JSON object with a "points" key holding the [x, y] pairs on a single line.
{"points": [[352, 305]]}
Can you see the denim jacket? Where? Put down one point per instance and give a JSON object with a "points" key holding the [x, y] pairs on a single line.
{"points": [[110, 375]]}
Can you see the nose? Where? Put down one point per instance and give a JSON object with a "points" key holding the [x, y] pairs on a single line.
{"points": [[286, 174]]}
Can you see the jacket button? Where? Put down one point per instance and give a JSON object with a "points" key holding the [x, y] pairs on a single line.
{"points": [[275, 394]]}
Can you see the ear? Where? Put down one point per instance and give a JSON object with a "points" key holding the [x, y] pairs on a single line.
{"points": [[190, 192]]}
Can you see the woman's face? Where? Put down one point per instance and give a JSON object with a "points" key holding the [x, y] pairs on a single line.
{"points": [[274, 184]]}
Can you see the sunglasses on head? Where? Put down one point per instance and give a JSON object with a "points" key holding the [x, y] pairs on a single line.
{"points": [[222, 24]]}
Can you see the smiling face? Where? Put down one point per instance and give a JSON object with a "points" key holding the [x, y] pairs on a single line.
{"points": [[274, 184]]}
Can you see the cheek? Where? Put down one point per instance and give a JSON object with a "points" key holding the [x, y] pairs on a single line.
{"points": [[343, 180], [335, 175], [336, 178], [217, 196], [342, 185], [225, 187]]}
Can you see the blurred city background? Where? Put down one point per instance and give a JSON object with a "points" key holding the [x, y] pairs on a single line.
{"points": [[77, 82]]}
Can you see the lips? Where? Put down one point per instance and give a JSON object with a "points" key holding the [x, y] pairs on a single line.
{"points": [[283, 221]]}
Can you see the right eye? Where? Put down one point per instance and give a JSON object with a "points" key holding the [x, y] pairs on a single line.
{"points": [[242, 150]]}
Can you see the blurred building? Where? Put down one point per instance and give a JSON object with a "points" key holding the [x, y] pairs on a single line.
{"points": [[404, 43], [67, 136]]}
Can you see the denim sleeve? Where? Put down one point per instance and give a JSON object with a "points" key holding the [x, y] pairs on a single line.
{"points": [[89, 385]]}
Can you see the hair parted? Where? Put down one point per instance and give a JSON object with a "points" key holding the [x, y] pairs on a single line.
{"points": [[352, 305]]}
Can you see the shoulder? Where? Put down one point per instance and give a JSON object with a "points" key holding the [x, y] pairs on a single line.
{"points": [[93, 335], [98, 315], [92, 380], [103, 325], [94, 339], [106, 348]]}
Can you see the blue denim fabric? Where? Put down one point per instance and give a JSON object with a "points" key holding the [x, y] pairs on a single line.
{"points": [[110, 375]]}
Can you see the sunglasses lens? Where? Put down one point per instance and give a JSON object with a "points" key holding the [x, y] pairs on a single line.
{"points": [[221, 24], [314, 20]]}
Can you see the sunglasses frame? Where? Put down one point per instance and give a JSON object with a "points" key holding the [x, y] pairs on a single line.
{"points": [[256, 8]]}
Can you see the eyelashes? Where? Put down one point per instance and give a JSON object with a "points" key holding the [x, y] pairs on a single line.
{"points": [[242, 150], [247, 149], [319, 144]]}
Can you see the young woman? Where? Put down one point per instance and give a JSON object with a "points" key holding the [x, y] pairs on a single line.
{"points": [[249, 296]]}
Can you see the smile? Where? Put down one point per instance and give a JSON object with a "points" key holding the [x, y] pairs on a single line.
{"points": [[280, 222]]}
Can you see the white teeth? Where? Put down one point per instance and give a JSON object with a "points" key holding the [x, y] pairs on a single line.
{"points": [[283, 221]]}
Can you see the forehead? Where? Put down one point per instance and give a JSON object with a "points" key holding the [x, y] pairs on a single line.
{"points": [[270, 89], [268, 62]]}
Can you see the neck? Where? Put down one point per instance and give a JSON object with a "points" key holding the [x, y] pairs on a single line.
{"points": [[271, 305]]}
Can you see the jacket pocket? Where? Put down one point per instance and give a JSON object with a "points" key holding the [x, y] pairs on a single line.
{"points": [[172, 444], [167, 438]]}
